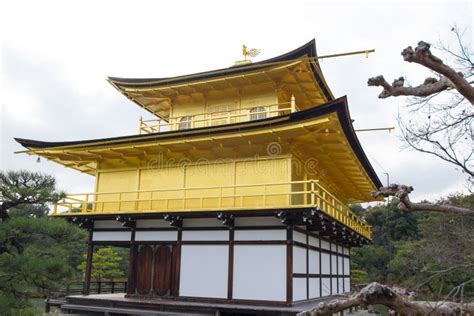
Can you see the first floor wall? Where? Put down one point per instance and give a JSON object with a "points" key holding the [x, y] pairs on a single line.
{"points": [[320, 267], [257, 259]]}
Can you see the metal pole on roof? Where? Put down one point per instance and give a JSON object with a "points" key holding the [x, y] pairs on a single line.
{"points": [[389, 129], [366, 52]]}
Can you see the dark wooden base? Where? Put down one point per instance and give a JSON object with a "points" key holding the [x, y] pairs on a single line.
{"points": [[118, 304]]}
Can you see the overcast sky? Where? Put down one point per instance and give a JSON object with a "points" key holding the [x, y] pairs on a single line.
{"points": [[56, 55]]}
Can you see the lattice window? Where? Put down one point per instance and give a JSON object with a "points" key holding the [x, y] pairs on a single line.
{"points": [[258, 113], [185, 122]]}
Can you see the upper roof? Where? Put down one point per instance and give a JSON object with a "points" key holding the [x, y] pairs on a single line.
{"points": [[144, 91]]}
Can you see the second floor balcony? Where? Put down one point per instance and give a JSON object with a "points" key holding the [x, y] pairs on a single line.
{"points": [[266, 196], [215, 118]]}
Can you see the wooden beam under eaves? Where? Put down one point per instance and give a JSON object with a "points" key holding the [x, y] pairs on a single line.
{"points": [[339, 173]]}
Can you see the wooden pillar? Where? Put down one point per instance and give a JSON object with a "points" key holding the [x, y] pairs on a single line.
{"points": [[320, 267], [343, 272], [330, 268], [230, 276], [90, 254], [132, 258], [47, 306], [350, 270], [337, 267], [289, 263], [176, 263], [307, 263]]}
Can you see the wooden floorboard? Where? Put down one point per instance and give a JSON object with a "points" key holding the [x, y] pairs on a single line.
{"points": [[127, 311], [118, 303]]}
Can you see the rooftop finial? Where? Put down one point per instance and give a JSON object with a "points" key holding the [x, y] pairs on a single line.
{"points": [[252, 52]]}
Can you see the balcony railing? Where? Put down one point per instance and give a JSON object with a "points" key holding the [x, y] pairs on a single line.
{"points": [[294, 194], [216, 118]]}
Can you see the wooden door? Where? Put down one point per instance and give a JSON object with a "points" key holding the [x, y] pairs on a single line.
{"points": [[144, 270], [157, 270], [162, 271]]}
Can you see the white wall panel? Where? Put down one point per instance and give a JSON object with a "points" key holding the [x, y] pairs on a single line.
{"points": [[325, 263], [112, 236], [202, 222], [346, 251], [313, 241], [257, 221], [313, 261], [340, 261], [341, 285], [334, 264], [347, 266], [314, 288], [189, 235], [107, 224], [334, 285], [299, 237], [204, 271], [269, 234], [156, 235], [299, 260], [324, 244], [347, 285], [260, 272], [152, 223], [299, 289], [326, 287]]}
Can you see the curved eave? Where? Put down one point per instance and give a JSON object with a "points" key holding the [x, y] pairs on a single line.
{"points": [[338, 107], [307, 50]]}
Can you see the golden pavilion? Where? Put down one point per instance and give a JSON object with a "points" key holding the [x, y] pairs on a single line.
{"points": [[233, 198]]}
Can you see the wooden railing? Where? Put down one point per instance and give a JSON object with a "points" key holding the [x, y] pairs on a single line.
{"points": [[294, 194], [95, 287], [214, 118], [99, 287]]}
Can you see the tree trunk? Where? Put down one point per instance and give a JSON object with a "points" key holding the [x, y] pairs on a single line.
{"points": [[398, 300], [402, 192]]}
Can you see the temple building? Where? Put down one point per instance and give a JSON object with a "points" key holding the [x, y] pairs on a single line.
{"points": [[233, 199]]}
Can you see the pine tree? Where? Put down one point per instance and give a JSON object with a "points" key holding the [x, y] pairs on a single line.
{"points": [[106, 264]]}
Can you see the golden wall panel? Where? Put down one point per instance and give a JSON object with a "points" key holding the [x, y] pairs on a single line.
{"points": [[208, 185], [263, 172], [158, 179], [113, 182]]}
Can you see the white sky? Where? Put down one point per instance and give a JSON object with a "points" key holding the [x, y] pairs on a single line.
{"points": [[56, 55]]}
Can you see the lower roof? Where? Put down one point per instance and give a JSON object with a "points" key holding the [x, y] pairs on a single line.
{"points": [[83, 155]]}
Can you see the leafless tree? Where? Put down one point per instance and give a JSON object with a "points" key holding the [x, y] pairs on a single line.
{"points": [[440, 117], [397, 299], [401, 192], [439, 122]]}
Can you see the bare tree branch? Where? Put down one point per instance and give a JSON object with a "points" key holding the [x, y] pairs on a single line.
{"points": [[429, 87], [437, 274], [398, 300], [441, 117], [406, 206], [449, 78], [418, 137], [423, 56]]}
